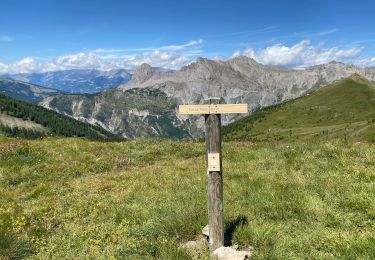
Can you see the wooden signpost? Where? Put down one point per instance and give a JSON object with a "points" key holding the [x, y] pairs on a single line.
{"points": [[212, 114]]}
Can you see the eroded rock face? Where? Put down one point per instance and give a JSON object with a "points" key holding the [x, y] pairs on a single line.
{"points": [[133, 113], [238, 80]]}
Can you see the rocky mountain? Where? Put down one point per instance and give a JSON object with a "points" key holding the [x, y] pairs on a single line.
{"points": [[238, 80], [243, 79], [131, 113], [76, 80], [146, 72], [25, 91]]}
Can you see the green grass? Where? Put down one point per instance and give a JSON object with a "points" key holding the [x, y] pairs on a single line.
{"points": [[64, 198], [345, 109]]}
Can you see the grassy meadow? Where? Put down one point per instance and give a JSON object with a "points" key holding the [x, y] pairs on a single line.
{"points": [[70, 198]]}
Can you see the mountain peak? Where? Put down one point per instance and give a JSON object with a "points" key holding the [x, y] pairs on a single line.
{"points": [[337, 62], [243, 59], [202, 60], [142, 73]]}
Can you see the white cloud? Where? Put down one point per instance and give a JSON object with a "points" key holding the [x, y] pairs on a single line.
{"points": [[165, 59], [91, 60], [370, 62], [3, 67], [83, 60], [190, 45], [300, 55], [194, 44], [6, 38], [170, 56], [238, 53], [22, 66]]}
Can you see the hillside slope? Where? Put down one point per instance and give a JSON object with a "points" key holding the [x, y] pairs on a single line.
{"points": [[25, 91], [18, 118], [12, 121], [133, 113], [343, 109]]}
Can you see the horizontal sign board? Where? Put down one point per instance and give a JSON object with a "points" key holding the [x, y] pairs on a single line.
{"points": [[213, 109]]}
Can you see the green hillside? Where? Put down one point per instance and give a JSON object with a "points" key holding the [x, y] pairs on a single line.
{"points": [[345, 109], [25, 91], [45, 122], [68, 198]]}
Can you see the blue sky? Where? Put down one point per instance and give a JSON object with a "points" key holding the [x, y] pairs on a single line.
{"points": [[41, 35]]}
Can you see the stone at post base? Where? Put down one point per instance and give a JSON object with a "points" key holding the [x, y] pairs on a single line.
{"points": [[229, 253], [226, 253], [206, 231]]}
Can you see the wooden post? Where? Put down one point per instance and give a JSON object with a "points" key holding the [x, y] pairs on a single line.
{"points": [[212, 115], [215, 180]]}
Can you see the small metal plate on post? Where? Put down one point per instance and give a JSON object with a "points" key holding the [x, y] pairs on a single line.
{"points": [[213, 162]]}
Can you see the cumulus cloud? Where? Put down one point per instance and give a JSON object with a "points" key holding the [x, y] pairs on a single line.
{"points": [[170, 56], [165, 59], [300, 55], [24, 65], [370, 62], [83, 60], [3, 67]]}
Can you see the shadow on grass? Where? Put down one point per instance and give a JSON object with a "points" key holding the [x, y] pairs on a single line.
{"points": [[231, 227]]}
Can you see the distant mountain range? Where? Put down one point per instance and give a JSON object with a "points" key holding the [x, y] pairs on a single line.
{"points": [[76, 80], [147, 104]]}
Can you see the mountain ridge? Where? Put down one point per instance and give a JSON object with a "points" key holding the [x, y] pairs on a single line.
{"points": [[76, 80], [238, 80]]}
